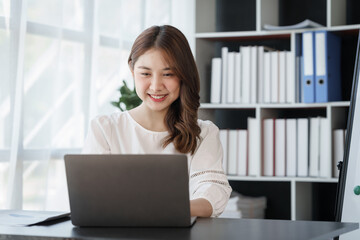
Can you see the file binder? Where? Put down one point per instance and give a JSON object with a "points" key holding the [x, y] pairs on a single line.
{"points": [[237, 77], [308, 76], [224, 77], [282, 77], [298, 68], [269, 147], [274, 79], [253, 74], [280, 164], [325, 148], [242, 152], [327, 55], [302, 147], [215, 80], [230, 93], [232, 152], [267, 77], [245, 73], [291, 148], [290, 77], [314, 147], [253, 147]]}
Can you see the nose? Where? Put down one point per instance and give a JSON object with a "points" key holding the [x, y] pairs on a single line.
{"points": [[156, 84]]}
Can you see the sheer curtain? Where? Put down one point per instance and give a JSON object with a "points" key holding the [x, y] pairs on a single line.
{"points": [[61, 63]]}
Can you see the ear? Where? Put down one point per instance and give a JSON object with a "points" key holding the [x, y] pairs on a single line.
{"points": [[131, 69]]}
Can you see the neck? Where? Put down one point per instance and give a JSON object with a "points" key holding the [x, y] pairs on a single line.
{"points": [[151, 120]]}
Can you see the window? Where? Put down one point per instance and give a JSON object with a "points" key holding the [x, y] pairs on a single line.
{"points": [[61, 63]]}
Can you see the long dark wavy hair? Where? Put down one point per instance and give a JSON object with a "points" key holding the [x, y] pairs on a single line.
{"points": [[181, 118]]}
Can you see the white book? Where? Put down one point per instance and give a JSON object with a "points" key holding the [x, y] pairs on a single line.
{"points": [[224, 60], [280, 147], [338, 146], [290, 77], [245, 76], [232, 152], [325, 148], [230, 98], [268, 150], [242, 152], [302, 147], [253, 147], [282, 77], [274, 80], [260, 74], [267, 77], [291, 153], [215, 80], [253, 74], [314, 147], [237, 77], [223, 134]]}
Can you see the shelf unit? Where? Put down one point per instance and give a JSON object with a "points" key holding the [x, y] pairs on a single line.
{"points": [[298, 189], [234, 23]]}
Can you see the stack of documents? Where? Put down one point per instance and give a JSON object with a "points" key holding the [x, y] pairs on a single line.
{"points": [[27, 218], [252, 207], [240, 206], [304, 24], [232, 210]]}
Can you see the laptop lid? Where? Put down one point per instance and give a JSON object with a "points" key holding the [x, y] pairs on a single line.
{"points": [[128, 190]]}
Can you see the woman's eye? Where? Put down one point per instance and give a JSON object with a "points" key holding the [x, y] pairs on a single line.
{"points": [[168, 74], [145, 74]]}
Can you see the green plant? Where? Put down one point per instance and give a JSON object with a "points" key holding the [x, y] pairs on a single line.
{"points": [[128, 97]]}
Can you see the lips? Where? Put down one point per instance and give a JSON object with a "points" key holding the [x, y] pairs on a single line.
{"points": [[158, 97]]}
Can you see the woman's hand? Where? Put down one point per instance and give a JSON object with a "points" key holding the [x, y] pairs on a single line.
{"points": [[200, 207]]}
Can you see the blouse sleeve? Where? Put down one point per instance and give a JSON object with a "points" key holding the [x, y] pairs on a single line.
{"points": [[97, 140], [207, 177]]}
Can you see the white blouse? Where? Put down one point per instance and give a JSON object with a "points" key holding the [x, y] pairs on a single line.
{"points": [[119, 133]]}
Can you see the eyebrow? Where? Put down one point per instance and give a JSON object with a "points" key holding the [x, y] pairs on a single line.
{"points": [[147, 68]]}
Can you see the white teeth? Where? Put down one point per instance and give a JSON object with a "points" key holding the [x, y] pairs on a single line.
{"points": [[157, 97]]}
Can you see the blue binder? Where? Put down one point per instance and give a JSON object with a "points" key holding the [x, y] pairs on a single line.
{"points": [[327, 61], [308, 63]]}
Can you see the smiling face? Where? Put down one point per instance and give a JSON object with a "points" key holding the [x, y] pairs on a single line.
{"points": [[155, 81]]}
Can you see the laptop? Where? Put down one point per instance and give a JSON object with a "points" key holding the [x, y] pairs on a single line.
{"points": [[128, 190]]}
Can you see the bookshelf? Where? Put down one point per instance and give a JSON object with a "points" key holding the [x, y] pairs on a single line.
{"points": [[234, 23]]}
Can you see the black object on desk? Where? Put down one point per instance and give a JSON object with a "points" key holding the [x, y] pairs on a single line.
{"points": [[204, 228]]}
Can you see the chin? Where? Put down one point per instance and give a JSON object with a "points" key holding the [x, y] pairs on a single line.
{"points": [[158, 107]]}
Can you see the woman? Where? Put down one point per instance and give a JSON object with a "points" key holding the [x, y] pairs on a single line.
{"points": [[167, 82]]}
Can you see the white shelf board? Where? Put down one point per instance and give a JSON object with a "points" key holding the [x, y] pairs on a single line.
{"points": [[227, 106], [240, 34], [340, 104], [272, 105], [343, 27], [282, 179], [235, 34]]}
